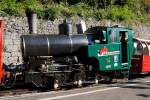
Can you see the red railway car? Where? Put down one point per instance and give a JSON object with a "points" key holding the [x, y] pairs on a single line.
{"points": [[141, 56], [1, 69]]}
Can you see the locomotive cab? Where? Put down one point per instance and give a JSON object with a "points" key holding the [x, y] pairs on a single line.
{"points": [[115, 53]]}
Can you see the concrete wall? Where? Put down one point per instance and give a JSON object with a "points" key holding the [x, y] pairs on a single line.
{"points": [[15, 27]]}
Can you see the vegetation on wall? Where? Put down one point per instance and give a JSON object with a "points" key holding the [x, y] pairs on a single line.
{"points": [[120, 10]]}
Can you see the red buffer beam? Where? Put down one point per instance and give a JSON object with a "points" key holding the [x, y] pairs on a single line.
{"points": [[1, 57]]}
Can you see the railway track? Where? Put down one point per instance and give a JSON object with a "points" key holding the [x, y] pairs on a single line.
{"points": [[18, 90], [14, 92], [27, 89]]}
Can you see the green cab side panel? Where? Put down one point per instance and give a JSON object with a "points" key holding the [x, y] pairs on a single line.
{"points": [[109, 61], [109, 55]]}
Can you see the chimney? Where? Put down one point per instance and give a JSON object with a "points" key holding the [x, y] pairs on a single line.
{"points": [[81, 27], [65, 28], [32, 21]]}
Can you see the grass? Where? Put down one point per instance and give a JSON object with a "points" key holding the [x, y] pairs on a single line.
{"points": [[62, 10]]}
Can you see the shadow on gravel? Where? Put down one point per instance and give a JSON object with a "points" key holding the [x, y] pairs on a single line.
{"points": [[19, 89], [148, 84], [132, 85], [143, 95], [135, 76], [137, 87]]}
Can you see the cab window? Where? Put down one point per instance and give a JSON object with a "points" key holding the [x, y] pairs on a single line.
{"points": [[113, 36], [145, 49], [100, 37]]}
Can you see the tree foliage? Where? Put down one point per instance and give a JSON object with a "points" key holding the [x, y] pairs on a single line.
{"points": [[98, 9]]}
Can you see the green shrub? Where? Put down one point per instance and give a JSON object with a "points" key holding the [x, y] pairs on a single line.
{"points": [[82, 10], [12, 8], [96, 9], [52, 12], [99, 14], [33, 5], [145, 18], [2, 13], [120, 13]]}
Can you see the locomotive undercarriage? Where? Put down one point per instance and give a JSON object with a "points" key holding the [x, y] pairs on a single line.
{"points": [[55, 72]]}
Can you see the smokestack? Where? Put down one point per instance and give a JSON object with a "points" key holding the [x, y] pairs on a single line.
{"points": [[81, 27], [32, 21], [65, 28]]}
